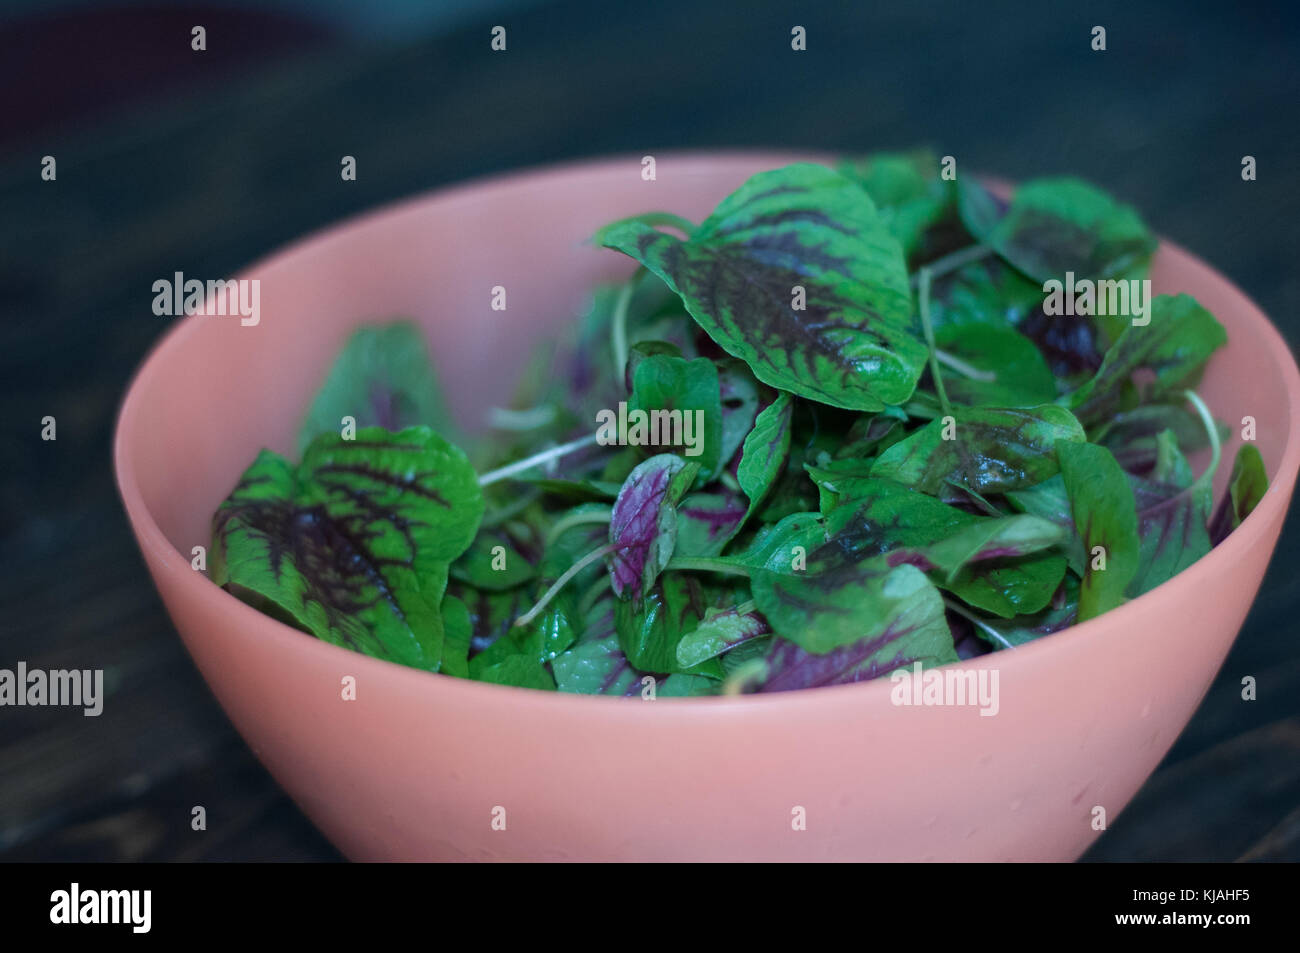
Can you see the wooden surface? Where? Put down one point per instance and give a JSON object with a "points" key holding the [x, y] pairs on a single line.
{"points": [[204, 178]]}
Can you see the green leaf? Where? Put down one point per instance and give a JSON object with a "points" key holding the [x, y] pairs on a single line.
{"points": [[458, 632], [381, 378], [855, 344], [706, 522], [907, 190], [493, 563], [1171, 465], [1175, 345], [894, 615], [650, 629], [1249, 482], [1002, 565], [1055, 225], [991, 449], [740, 400], [643, 524], [720, 631], [1020, 375], [355, 543], [597, 665], [683, 407], [1104, 516], [520, 671], [1173, 528], [987, 292], [765, 451]]}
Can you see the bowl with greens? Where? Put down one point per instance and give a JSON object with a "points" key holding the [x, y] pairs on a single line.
{"points": [[762, 508]]}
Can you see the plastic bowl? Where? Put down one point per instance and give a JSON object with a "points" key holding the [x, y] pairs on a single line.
{"points": [[422, 766]]}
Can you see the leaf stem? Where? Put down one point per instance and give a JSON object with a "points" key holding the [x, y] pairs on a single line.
{"points": [[519, 466], [707, 564], [574, 518], [924, 305], [961, 610], [503, 418], [1211, 431], [964, 369], [954, 260], [560, 583]]}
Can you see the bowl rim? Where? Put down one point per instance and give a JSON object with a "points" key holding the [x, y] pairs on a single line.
{"points": [[212, 598]]}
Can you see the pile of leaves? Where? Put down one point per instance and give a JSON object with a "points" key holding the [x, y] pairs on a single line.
{"points": [[900, 456]]}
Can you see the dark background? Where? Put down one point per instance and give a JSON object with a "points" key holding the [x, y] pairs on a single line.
{"points": [[175, 160]]}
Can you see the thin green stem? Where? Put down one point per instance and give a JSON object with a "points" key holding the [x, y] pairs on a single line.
{"points": [[560, 583], [707, 564], [1211, 431], [503, 418], [993, 633], [926, 327], [520, 466], [964, 369], [955, 260]]}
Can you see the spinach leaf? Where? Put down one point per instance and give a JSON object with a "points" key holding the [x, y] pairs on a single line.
{"points": [[765, 451], [1175, 345], [1106, 519], [1246, 488], [650, 629], [706, 522], [891, 616], [908, 192], [643, 524], [850, 340], [720, 631], [1015, 373], [354, 544], [1055, 225], [381, 378], [682, 402], [986, 449]]}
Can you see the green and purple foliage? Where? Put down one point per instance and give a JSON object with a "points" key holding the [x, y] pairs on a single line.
{"points": [[894, 442]]}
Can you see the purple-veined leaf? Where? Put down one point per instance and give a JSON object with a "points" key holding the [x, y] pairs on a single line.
{"points": [[849, 340], [720, 631], [381, 378], [1246, 488], [985, 449], [643, 525], [354, 544], [706, 522]]}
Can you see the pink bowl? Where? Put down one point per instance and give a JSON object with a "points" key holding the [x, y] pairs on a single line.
{"points": [[419, 765]]}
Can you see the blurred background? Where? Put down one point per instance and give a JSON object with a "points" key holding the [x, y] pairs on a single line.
{"points": [[171, 159]]}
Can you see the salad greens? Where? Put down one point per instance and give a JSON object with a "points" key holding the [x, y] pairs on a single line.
{"points": [[840, 427]]}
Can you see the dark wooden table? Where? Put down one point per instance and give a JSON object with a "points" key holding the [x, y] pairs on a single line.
{"points": [[205, 179]]}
